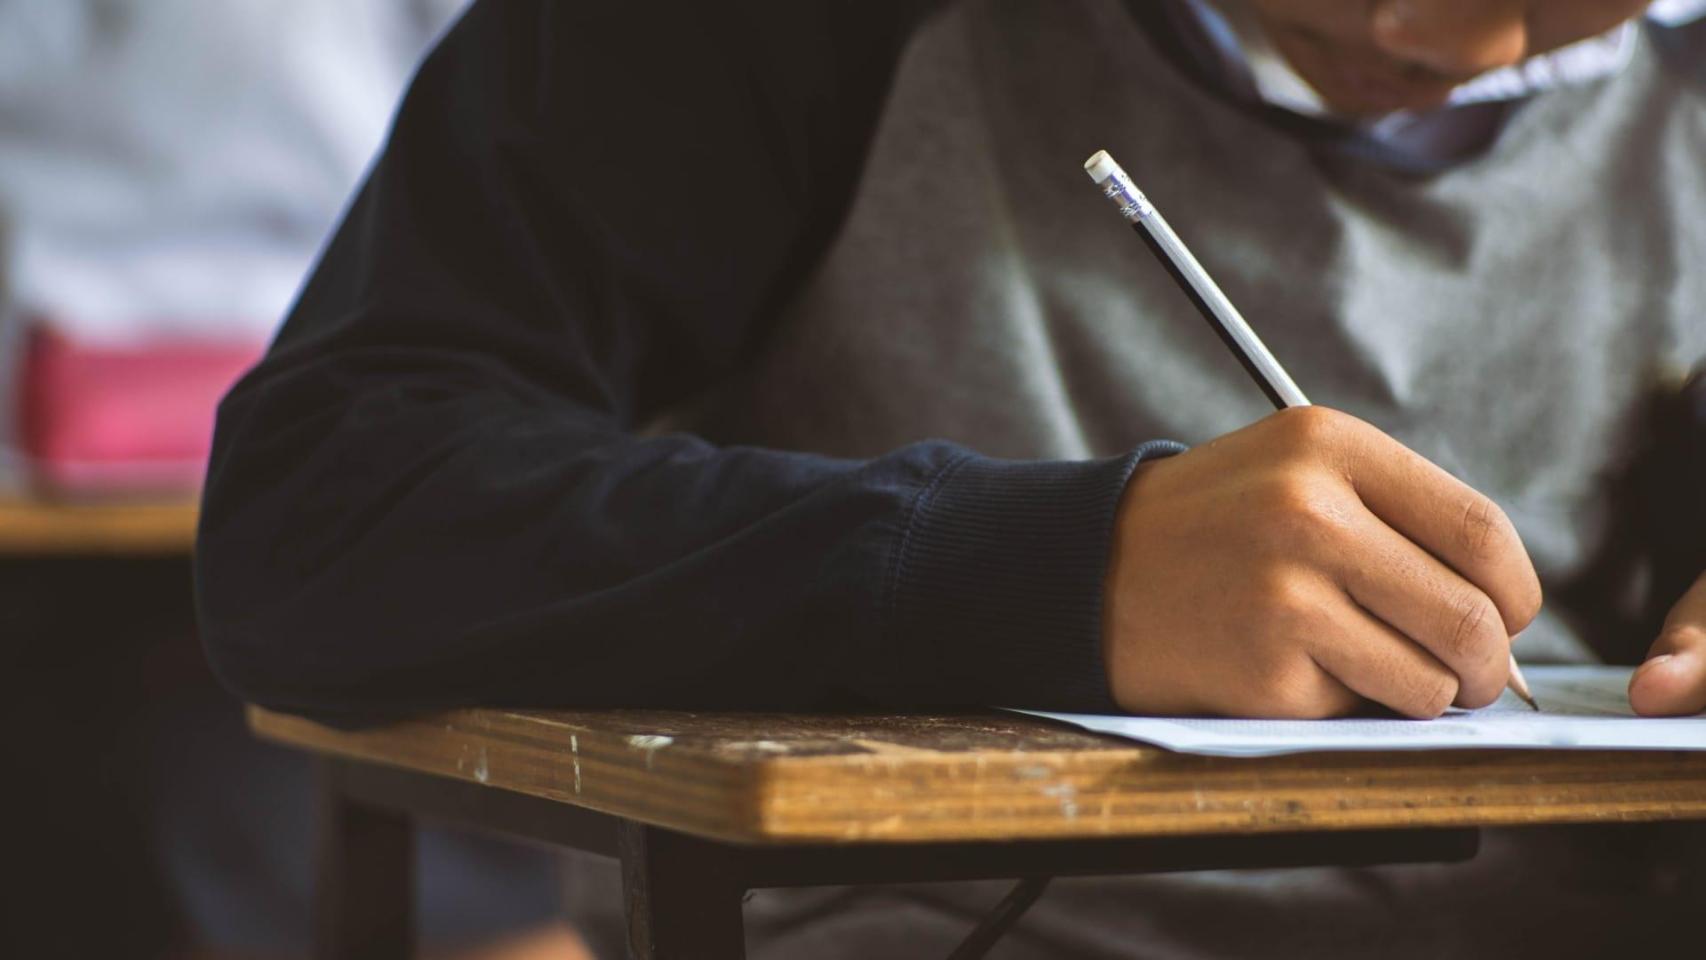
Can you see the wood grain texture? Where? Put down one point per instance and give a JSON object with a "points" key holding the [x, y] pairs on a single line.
{"points": [[34, 527], [766, 778]]}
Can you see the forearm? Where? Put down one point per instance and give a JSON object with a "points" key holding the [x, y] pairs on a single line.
{"points": [[382, 556]]}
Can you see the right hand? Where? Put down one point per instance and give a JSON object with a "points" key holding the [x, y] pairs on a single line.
{"points": [[1304, 565]]}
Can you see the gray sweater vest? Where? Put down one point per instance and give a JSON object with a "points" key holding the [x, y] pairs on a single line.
{"points": [[1504, 318]]}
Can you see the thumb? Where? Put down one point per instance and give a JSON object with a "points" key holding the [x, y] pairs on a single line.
{"points": [[1673, 680]]}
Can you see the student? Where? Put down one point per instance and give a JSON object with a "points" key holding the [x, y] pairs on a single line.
{"points": [[618, 383]]}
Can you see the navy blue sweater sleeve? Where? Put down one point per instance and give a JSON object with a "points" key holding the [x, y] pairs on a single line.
{"points": [[433, 492]]}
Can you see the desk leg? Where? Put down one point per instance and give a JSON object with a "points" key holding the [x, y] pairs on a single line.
{"points": [[364, 883], [682, 895]]}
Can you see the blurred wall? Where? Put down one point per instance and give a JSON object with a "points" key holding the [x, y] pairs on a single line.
{"points": [[171, 166]]}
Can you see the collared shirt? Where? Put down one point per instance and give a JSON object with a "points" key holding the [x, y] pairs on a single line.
{"points": [[1249, 63]]}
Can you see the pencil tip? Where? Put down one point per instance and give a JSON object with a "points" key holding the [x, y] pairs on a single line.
{"points": [[1519, 686]]}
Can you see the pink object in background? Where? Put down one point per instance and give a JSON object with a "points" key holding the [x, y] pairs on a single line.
{"points": [[118, 419]]}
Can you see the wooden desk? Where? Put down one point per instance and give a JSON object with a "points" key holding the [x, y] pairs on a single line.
{"points": [[37, 528], [702, 807]]}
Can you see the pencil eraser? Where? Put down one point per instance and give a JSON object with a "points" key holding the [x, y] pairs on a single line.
{"points": [[1100, 166]]}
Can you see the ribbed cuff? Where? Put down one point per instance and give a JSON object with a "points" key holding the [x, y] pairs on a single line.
{"points": [[997, 590]]}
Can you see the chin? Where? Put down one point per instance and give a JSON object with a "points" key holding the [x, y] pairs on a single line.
{"points": [[1371, 101]]}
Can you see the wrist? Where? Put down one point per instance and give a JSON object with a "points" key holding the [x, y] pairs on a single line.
{"points": [[1000, 575]]}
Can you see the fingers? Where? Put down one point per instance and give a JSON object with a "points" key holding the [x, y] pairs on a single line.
{"points": [[1432, 606], [1303, 690], [1324, 656], [1382, 665], [1673, 680], [1444, 516]]}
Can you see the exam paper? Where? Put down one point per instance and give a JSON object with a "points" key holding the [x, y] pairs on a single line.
{"points": [[1581, 708]]}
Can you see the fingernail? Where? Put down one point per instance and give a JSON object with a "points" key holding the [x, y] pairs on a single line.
{"points": [[1684, 664], [1659, 664]]}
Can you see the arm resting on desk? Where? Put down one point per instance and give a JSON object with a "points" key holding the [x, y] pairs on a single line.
{"points": [[431, 494]]}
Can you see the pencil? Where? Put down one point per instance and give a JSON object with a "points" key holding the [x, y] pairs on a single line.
{"points": [[1214, 306]]}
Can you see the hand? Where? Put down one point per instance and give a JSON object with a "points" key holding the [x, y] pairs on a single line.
{"points": [[1304, 564], [1673, 680]]}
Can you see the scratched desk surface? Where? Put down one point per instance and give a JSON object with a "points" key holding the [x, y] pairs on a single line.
{"points": [[771, 778], [38, 528]]}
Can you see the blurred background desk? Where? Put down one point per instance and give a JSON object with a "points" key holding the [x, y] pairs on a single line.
{"points": [[40, 528], [141, 820]]}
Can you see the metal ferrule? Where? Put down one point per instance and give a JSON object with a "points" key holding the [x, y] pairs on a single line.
{"points": [[1119, 189]]}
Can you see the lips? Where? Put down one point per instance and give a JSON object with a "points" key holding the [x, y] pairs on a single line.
{"points": [[1362, 83], [1383, 90]]}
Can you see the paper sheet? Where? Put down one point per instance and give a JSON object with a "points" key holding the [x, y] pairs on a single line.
{"points": [[1582, 708]]}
